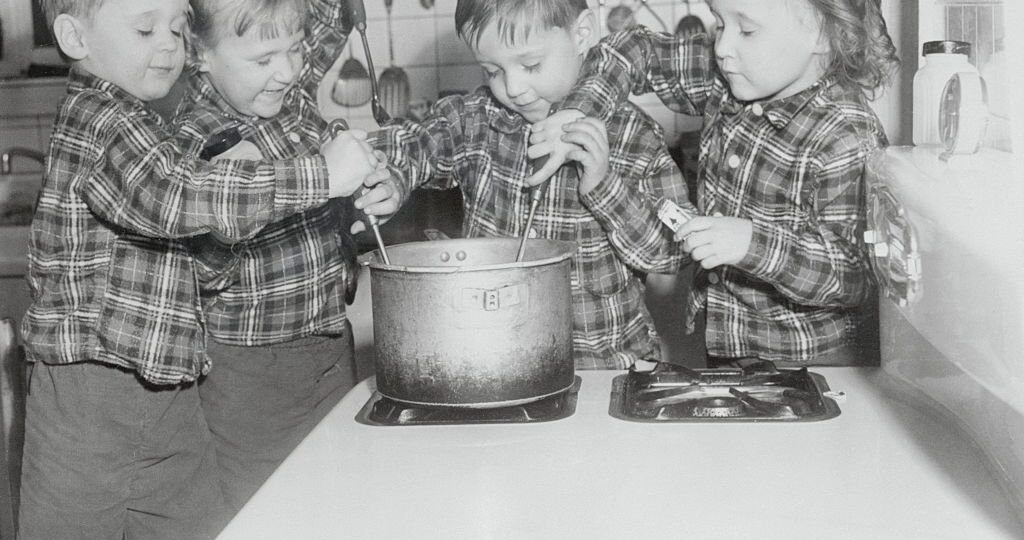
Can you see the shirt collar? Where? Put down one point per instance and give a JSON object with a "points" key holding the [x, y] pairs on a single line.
{"points": [[780, 112], [204, 92], [83, 80]]}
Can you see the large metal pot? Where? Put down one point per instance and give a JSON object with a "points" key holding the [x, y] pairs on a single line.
{"points": [[458, 323]]}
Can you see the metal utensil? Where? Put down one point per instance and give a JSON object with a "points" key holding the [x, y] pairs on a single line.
{"points": [[394, 82], [352, 87], [689, 24], [335, 127], [535, 194], [358, 12]]}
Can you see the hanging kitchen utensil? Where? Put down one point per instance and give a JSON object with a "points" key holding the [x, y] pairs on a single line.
{"points": [[358, 15], [689, 24], [427, 4], [353, 87], [394, 83], [620, 18], [334, 128]]}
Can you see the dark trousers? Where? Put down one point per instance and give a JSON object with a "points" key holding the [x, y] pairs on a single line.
{"points": [[260, 402]]}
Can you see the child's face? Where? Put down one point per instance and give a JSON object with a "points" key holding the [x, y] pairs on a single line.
{"points": [[536, 71], [254, 74], [136, 44], [768, 49]]}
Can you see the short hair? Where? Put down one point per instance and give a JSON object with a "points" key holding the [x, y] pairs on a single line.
{"points": [[863, 54], [79, 9], [515, 18], [272, 18]]}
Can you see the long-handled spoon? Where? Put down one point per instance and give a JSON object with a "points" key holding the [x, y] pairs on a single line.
{"points": [[335, 127], [535, 194]]}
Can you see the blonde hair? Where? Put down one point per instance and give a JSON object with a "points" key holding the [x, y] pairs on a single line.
{"points": [[515, 18], [80, 9], [863, 54], [272, 18]]}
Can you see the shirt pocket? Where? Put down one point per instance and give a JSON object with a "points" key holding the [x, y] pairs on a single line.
{"points": [[600, 271]]}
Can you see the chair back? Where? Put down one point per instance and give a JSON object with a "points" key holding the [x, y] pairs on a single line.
{"points": [[12, 417]]}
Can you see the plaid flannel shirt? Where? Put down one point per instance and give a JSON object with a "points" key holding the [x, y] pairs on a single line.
{"points": [[290, 280], [476, 144], [111, 279], [792, 166]]}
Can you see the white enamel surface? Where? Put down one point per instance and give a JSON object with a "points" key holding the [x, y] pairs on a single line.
{"points": [[968, 214], [961, 342], [885, 468]]}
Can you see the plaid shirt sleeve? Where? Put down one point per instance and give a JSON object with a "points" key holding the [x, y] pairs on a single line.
{"points": [[638, 61], [327, 34], [820, 263], [424, 153], [157, 186], [627, 206]]}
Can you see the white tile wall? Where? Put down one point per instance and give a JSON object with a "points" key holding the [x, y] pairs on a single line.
{"points": [[435, 59]]}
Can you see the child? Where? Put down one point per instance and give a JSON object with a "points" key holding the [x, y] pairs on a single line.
{"points": [[531, 53], [281, 344], [787, 128], [116, 445]]}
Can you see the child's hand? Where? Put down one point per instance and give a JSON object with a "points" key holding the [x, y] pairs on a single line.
{"points": [[546, 140], [589, 140], [716, 240], [242, 150], [349, 161], [382, 200]]}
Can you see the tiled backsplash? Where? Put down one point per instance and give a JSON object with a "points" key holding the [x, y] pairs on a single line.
{"points": [[436, 60]]}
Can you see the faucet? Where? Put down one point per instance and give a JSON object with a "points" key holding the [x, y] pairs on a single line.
{"points": [[5, 159]]}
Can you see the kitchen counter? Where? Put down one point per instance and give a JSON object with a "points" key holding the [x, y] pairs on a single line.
{"points": [[887, 467]]}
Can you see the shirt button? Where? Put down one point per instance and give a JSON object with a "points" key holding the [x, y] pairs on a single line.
{"points": [[734, 161], [294, 137], [713, 278], [757, 109]]}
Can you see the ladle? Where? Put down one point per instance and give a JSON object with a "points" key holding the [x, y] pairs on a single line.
{"points": [[335, 127], [358, 12], [689, 24]]}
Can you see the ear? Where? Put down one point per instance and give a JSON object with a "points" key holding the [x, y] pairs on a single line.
{"points": [[585, 31], [68, 32]]}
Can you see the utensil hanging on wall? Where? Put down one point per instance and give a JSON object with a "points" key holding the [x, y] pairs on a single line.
{"points": [[689, 24], [353, 87], [394, 82], [427, 4], [620, 18], [357, 12]]}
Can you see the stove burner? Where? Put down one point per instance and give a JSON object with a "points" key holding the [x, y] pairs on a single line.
{"points": [[717, 407], [383, 411], [761, 393]]}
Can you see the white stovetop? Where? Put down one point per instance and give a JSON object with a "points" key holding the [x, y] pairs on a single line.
{"points": [[885, 468]]}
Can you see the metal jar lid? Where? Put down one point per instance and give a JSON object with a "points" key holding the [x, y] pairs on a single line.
{"points": [[946, 47]]}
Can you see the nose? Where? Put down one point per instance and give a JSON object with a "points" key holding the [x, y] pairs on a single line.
{"points": [[724, 45], [515, 84], [287, 68], [170, 42]]}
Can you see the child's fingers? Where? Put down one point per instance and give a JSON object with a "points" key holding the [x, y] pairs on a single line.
{"points": [[699, 223], [547, 171]]}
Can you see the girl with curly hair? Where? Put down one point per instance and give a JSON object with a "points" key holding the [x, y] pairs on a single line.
{"points": [[782, 87]]}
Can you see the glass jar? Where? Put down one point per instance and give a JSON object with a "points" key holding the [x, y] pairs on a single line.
{"points": [[942, 59]]}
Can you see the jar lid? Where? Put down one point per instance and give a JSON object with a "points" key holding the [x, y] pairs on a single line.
{"points": [[946, 47]]}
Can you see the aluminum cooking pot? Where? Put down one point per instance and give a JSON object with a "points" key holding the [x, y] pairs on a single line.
{"points": [[458, 323]]}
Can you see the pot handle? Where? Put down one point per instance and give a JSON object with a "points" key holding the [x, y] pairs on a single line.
{"points": [[493, 299]]}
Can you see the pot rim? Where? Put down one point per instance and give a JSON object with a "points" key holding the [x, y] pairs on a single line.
{"points": [[373, 259]]}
